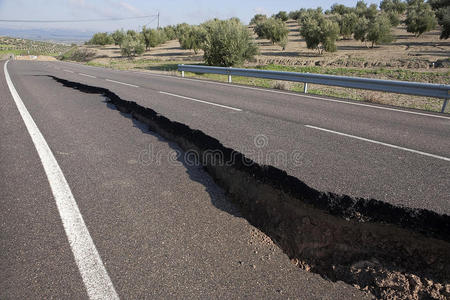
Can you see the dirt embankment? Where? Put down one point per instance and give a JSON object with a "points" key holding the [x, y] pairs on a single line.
{"points": [[388, 251]]}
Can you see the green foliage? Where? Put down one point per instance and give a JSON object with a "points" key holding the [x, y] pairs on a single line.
{"points": [[170, 32], [181, 29], [153, 37], [362, 10], [361, 29], [193, 38], [227, 43], [394, 18], [319, 32], [397, 6], [420, 17], [132, 45], [258, 18], [442, 10], [132, 33], [274, 30], [78, 54], [380, 30], [347, 23], [118, 36], [443, 15], [296, 14], [282, 15], [341, 9], [376, 31], [101, 38]]}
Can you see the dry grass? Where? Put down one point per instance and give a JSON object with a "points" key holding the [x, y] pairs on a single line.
{"points": [[424, 59]]}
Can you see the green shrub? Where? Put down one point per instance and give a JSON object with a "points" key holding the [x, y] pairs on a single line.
{"points": [[274, 30], [319, 32], [78, 54], [420, 17], [442, 11], [393, 6], [227, 43], [153, 37], [341, 9], [380, 30], [118, 36], [193, 38], [282, 15], [101, 38], [170, 32], [258, 18], [132, 45], [347, 23]]}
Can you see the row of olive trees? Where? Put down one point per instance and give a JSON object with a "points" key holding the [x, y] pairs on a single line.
{"points": [[133, 43], [363, 22]]}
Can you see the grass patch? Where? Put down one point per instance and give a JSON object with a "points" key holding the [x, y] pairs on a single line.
{"points": [[382, 73]]}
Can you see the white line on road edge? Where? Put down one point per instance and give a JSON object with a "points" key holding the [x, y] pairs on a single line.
{"points": [[95, 277], [110, 80], [298, 95], [201, 101], [82, 74], [68, 71], [380, 143]]}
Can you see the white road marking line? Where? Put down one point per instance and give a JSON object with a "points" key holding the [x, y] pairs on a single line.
{"points": [[201, 101], [93, 272], [380, 143], [82, 74], [110, 80], [68, 71], [283, 93], [300, 95]]}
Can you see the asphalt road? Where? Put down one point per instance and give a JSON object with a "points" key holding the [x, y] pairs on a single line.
{"points": [[161, 227]]}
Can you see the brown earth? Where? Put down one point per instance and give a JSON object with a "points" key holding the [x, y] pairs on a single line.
{"points": [[406, 51]]}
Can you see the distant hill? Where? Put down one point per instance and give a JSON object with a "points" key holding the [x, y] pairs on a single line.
{"points": [[20, 46], [49, 35]]}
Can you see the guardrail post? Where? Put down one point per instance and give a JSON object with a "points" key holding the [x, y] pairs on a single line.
{"points": [[444, 105], [182, 72], [305, 88], [229, 75]]}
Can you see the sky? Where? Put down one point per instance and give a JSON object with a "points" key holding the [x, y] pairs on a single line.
{"points": [[171, 11]]}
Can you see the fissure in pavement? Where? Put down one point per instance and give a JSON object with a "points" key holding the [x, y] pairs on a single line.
{"points": [[386, 250]]}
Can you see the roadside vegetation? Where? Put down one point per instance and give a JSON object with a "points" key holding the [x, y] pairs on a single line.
{"points": [[305, 40]]}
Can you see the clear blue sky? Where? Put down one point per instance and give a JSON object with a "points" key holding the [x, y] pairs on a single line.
{"points": [[172, 11]]}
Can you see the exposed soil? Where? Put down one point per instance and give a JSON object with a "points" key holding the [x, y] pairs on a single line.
{"points": [[427, 52]]}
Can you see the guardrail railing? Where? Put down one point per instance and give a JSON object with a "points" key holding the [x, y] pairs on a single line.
{"points": [[392, 86]]}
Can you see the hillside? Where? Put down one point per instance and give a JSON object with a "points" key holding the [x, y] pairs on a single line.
{"points": [[18, 46]]}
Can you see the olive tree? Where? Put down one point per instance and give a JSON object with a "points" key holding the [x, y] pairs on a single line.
{"points": [[193, 38], [274, 30], [319, 33], [376, 31], [420, 17], [397, 6], [258, 18], [227, 43], [282, 15], [132, 45], [101, 38], [442, 11], [118, 36], [379, 31]]}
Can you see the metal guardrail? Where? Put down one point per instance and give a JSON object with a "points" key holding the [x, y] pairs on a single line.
{"points": [[392, 86]]}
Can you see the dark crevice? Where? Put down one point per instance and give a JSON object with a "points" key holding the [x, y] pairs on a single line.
{"points": [[387, 250]]}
